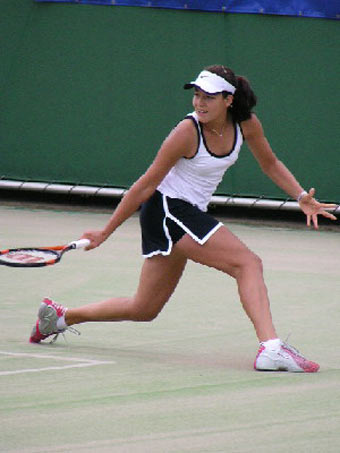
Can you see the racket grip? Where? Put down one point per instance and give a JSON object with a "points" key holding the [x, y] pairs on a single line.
{"points": [[80, 244]]}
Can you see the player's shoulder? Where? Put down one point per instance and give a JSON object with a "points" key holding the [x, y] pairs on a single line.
{"points": [[184, 131], [187, 125], [251, 127]]}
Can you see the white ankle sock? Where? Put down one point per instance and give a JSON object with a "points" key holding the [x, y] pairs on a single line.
{"points": [[272, 344], [61, 324]]}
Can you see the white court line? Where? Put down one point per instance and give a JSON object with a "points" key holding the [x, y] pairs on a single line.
{"points": [[77, 363]]}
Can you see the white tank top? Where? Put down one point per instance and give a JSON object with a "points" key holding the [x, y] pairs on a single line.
{"points": [[195, 179]]}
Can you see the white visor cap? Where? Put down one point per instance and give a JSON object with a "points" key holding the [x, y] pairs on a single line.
{"points": [[211, 83]]}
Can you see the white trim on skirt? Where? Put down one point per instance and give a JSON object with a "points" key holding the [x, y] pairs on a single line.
{"points": [[170, 216]]}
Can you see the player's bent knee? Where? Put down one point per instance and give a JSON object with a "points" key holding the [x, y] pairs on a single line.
{"points": [[142, 313], [144, 316], [250, 261], [255, 260]]}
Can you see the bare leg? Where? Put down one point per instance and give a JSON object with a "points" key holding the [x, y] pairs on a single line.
{"points": [[225, 252], [158, 280]]}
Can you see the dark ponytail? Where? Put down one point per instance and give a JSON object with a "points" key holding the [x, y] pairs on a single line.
{"points": [[244, 97], [244, 100]]}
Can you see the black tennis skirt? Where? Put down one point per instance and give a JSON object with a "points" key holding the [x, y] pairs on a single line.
{"points": [[165, 220]]}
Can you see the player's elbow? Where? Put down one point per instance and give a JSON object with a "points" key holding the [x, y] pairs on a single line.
{"points": [[143, 189], [269, 166]]}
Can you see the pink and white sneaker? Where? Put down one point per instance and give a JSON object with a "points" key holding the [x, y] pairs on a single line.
{"points": [[46, 325], [283, 358]]}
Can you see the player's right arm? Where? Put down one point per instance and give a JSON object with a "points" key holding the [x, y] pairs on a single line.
{"points": [[181, 142]]}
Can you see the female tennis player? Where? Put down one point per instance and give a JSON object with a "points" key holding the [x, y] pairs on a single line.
{"points": [[174, 194]]}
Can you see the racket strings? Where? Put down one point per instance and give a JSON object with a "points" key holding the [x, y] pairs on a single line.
{"points": [[29, 257]]}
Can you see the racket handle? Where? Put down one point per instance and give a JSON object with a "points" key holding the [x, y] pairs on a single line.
{"points": [[80, 244]]}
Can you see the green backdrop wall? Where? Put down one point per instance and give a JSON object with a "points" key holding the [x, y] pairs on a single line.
{"points": [[89, 92]]}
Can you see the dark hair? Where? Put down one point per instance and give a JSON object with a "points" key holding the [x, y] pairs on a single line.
{"points": [[244, 97]]}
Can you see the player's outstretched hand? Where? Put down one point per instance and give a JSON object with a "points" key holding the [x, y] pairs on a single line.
{"points": [[312, 208], [96, 238]]}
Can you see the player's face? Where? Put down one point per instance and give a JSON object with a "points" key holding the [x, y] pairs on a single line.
{"points": [[209, 107]]}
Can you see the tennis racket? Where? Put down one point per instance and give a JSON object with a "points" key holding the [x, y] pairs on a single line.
{"points": [[40, 256]]}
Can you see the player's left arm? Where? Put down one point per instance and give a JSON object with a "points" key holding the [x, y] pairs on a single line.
{"points": [[279, 173]]}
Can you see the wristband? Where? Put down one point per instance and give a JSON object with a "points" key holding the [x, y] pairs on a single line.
{"points": [[302, 194]]}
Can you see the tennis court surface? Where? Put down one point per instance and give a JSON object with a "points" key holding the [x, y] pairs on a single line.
{"points": [[183, 383]]}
